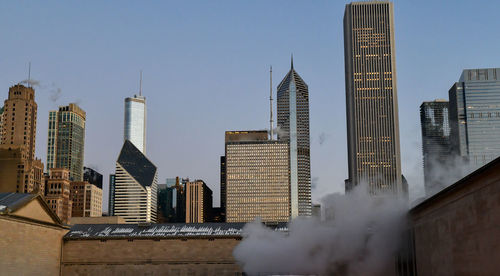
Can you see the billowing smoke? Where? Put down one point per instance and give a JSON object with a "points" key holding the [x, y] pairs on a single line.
{"points": [[443, 172], [359, 235], [323, 137], [54, 91], [279, 131], [55, 94], [30, 82]]}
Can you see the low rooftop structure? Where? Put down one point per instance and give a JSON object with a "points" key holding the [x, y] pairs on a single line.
{"points": [[166, 230]]}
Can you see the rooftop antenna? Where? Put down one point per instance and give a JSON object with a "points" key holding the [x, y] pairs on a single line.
{"points": [[140, 85], [271, 100], [29, 74]]}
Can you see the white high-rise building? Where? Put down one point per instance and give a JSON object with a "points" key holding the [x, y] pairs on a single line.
{"points": [[135, 186], [135, 121]]}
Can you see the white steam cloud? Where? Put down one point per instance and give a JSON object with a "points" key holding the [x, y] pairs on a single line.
{"points": [[359, 235]]}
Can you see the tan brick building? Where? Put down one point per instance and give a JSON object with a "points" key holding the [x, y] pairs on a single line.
{"points": [[198, 202], [87, 199], [31, 236], [19, 170], [57, 191]]}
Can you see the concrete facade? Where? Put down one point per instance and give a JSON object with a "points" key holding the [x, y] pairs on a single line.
{"points": [[456, 232]]}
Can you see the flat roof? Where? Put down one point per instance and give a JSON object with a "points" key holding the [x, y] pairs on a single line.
{"points": [[163, 230]]}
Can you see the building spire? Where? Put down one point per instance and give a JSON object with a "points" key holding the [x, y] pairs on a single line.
{"points": [[140, 84], [292, 60], [271, 100]]}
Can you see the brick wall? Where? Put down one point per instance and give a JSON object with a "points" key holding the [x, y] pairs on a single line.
{"points": [[29, 248], [150, 257], [458, 232]]}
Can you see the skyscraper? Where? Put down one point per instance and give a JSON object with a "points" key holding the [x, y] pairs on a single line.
{"points": [[198, 202], [436, 148], [66, 139], [371, 97], [475, 116], [135, 193], [257, 177], [19, 170], [293, 125], [135, 121]]}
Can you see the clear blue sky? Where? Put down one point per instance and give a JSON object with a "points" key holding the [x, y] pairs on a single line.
{"points": [[206, 71]]}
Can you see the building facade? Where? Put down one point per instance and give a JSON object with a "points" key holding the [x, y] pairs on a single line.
{"points": [[111, 195], [257, 178], [436, 147], [371, 97], [223, 189], [66, 140], [293, 125], [58, 193], [19, 170], [135, 193], [87, 199], [92, 177], [166, 202], [475, 116], [1, 123], [198, 202], [135, 121]]}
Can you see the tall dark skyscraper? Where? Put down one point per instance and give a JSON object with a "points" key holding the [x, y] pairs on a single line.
{"points": [[371, 97], [475, 116], [293, 127], [436, 148]]}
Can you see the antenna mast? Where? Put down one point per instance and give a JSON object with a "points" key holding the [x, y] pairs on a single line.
{"points": [[29, 74], [140, 85], [271, 100]]}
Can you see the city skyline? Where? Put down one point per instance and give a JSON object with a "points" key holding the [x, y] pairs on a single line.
{"points": [[173, 123]]}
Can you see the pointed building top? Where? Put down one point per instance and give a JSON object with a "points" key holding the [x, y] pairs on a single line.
{"points": [[292, 61]]}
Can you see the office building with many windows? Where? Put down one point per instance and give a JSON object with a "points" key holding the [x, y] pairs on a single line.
{"points": [[20, 171], [135, 186], [475, 116], [257, 178], [198, 202], [373, 146], [66, 140]]}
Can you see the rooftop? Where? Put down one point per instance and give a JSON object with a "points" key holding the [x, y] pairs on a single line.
{"points": [[165, 230]]}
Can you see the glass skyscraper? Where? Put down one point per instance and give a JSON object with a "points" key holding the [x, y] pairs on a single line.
{"points": [[371, 97], [475, 116], [135, 121], [436, 147], [293, 128], [66, 139]]}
